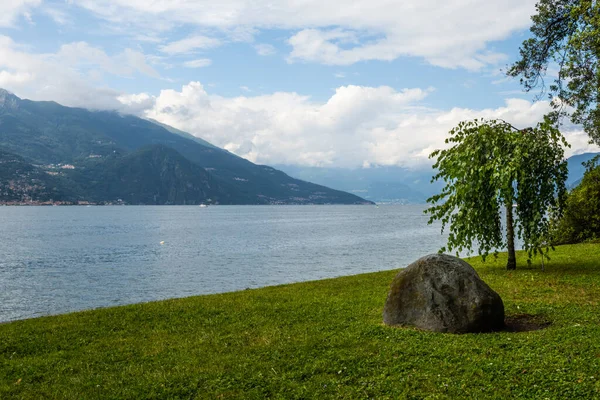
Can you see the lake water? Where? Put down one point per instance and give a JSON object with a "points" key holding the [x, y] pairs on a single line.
{"points": [[61, 259]]}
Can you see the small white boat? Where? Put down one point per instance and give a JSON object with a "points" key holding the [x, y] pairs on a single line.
{"points": [[203, 206]]}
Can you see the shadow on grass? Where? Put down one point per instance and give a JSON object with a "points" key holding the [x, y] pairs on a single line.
{"points": [[525, 323]]}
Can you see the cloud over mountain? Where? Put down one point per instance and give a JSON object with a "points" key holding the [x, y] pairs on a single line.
{"points": [[72, 76], [260, 98], [357, 126]]}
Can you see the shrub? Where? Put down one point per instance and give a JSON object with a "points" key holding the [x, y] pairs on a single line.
{"points": [[581, 218]]}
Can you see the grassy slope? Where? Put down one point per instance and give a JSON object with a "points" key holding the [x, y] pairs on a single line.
{"points": [[319, 339]]}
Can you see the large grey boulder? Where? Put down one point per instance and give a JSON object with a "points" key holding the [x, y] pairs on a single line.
{"points": [[442, 293]]}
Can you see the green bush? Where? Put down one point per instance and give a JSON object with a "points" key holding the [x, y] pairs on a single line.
{"points": [[581, 219]]}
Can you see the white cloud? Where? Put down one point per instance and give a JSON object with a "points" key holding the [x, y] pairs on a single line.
{"points": [[264, 49], [200, 63], [136, 103], [356, 126], [11, 10], [240, 33], [72, 76], [28, 18], [190, 44], [332, 47], [82, 55], [8, 79], [454, 34], [58, 16]]}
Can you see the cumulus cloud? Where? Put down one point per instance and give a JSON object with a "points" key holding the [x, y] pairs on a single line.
{"points": [[356, 126], [11, 10], [8, 79], [135, 103], [71, 76], [454, 34]]}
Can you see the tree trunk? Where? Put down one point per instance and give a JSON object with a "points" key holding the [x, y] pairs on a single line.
{"points": [[510, 237]]}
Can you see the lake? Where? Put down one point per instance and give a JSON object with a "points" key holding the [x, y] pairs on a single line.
{"points": [[61, 259]]}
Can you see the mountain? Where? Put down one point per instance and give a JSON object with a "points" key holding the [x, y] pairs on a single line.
{"points": [[184, 134], [397, 184], [124, 153], [155, 174], [21, 181], [576, 168], [381, 184]]}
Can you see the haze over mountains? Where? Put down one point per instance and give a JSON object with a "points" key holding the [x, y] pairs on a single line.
{"points": [[51, 152], [384, 184], [397, 185]]}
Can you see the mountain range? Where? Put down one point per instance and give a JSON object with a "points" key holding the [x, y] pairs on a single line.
{"points": [[398, 185], [380, 184], [53, 153]]}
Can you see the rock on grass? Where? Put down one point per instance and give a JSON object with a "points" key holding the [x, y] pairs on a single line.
{"points": [[442, 293]]}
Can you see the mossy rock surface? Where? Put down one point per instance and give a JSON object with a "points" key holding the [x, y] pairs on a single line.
{"points": [[441, 293]]}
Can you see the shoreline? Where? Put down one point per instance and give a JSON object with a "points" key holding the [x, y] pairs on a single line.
{"points": [[317, 339], [311, 281], [195, 296]]}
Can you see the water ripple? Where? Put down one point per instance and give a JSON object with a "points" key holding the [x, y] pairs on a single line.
{"points": [[60, 259]]}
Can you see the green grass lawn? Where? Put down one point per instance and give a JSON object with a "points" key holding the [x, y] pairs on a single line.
{"points": [[322, 339]]}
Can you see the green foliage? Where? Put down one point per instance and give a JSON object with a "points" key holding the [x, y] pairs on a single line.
{"points": [[316, 340], [566, 33], [493, 165], [581, 218]]}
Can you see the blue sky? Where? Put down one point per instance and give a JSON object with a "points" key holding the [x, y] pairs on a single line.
{"points": [[315, 83]]}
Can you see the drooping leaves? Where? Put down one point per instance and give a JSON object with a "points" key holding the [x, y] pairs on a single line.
{"points": [[492, 165]]}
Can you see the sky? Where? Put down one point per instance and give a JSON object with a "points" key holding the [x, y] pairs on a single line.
{"points": [[300, 82]]}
